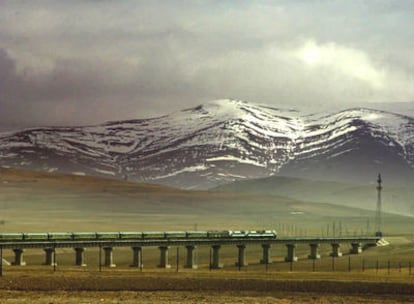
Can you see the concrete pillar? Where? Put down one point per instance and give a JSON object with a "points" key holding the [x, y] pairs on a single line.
{"points": [[314, 252], [109, 257], [336, 250], [50, 256], [164, 257], [18, 257], [80, 256], [291, 253], [266, 254], [137, 257], [356, 248], [191, 260], [241, 261], [216, 257]]}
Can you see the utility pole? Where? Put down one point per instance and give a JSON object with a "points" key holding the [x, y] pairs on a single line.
{"points": [[378, 219]]}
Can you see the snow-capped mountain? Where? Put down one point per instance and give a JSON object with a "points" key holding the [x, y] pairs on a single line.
{"points": [[222, 141]]}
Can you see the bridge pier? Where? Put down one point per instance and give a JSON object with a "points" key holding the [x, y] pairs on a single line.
{"points": [[137, 257], [266, 254], [314, 251], [50, 257], [164, 257], [336, 250], [356, 248], [80, 256], [291, 253], [241, 260], [216, 257], [18, 257], [109, 257], [191, 259]]}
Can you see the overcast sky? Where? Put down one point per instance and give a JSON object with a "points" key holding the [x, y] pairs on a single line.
{"points": [[83, 62]]}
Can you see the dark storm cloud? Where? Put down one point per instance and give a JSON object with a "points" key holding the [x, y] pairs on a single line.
{"points": [[66, 62]]}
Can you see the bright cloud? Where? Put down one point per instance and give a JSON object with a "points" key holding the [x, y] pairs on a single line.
{"points": [[349, 61]]}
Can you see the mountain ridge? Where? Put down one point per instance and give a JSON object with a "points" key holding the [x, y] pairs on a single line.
{"points": [[220, 142]]}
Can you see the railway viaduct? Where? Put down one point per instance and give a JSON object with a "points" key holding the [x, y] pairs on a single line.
{"points": [[137, 245]]}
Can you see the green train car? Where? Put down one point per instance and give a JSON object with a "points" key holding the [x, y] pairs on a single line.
{"points": [[60, 236], [196, 234], [35, 236], [175, 234], [108, 235], [84, 235], [153, 235], [130, 235]]}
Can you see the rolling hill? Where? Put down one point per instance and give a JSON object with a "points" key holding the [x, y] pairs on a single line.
{"points": [[397, 200], [38, 201]]}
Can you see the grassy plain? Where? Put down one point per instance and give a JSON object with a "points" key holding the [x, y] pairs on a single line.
{"points": [[39, 202], [396, 199]]}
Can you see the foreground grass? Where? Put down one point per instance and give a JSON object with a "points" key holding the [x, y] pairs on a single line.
{"points": [[172, 297], [186, 297], [203, 287], [326, 282]]}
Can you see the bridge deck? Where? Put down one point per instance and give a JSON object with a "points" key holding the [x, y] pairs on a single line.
{"points": [[183, 242]]}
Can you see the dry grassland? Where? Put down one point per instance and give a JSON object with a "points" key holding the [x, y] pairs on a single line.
{"points": [[127, 297], [40, 202], [202, 287]]}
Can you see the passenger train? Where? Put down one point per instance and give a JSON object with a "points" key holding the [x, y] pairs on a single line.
{"points": [[149, 235]]}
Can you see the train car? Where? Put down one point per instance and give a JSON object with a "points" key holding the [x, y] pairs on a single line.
{"points": [[153, 235], [238, 233], [35, 236], [269, 233], [6, 237], [218, 234], [108, 235], [262, 233], [84, 236], [196, 234], [60, 236], [175, 235], [253, 234], [130, 235]]}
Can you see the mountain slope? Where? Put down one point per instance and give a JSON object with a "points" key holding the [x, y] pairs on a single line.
{"points": [[354, 145], [222, 141]]}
